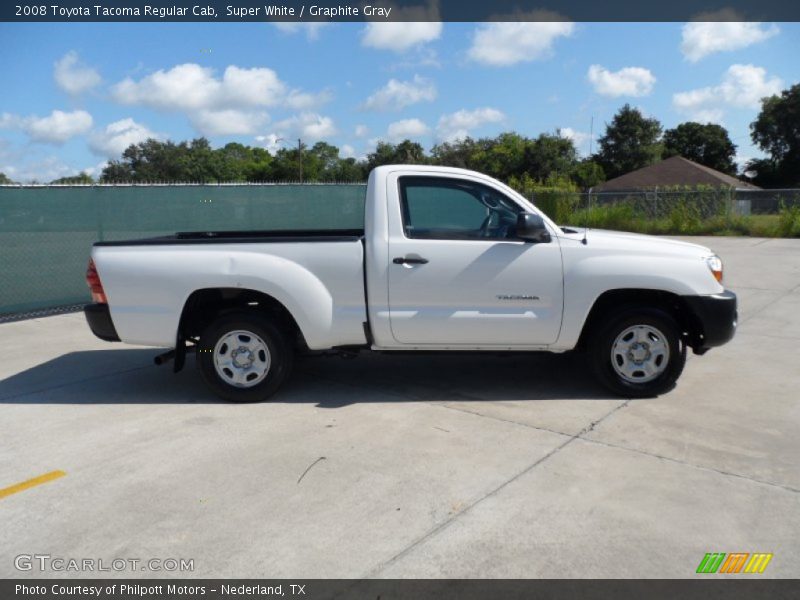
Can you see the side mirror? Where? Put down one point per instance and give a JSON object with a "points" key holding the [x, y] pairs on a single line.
{"points": [[531, 227]]}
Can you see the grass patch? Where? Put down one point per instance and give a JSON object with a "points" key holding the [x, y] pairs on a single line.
{"points": [[684, 220]]}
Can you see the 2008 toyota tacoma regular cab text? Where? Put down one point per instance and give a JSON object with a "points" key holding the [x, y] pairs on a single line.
{"points": [[448, 260]]}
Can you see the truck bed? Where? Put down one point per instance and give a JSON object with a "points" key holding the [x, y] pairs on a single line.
{"points": [[244, 237], [317, 275]]}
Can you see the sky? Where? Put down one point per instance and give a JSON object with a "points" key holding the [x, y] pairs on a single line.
{"points": [[74, 95]]}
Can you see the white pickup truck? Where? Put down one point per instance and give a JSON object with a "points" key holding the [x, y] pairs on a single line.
{"points": [[448, 260]]}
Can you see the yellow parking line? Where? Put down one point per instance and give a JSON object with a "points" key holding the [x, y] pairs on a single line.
{"points": [[19, 487]]}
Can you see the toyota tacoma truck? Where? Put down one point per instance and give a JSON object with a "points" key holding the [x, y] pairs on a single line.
{"points": [[447, 260]]}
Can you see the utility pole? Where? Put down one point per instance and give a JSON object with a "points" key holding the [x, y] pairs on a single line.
{"points": [[591, 135], [300, 159]]}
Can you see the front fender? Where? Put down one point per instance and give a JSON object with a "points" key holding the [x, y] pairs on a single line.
{"points": [[586, 278]]}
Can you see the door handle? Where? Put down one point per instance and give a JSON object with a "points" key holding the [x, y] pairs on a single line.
{"points": [[402, 260]]}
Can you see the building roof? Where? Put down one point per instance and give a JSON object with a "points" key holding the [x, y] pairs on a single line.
{"points": [[672, 171]]}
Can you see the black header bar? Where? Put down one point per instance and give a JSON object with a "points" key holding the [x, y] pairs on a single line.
{"points": [[399, 10], [701, 588]]}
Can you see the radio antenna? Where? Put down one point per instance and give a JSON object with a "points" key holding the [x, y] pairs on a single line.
{"points": [[585, 217], [584, 241]]}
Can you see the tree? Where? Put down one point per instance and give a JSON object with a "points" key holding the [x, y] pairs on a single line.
{"points": [[503, 156], [460, 153], [406, 152], [548, 156], [320, 162], [286, 164], [631, 142], [4, 180], [150, 160], [776, 131], [588, 174], [382, 155], [707, 144], [195, 161], [117, 171], [410, 153], [349, 169], [237, 162], [510, 155], [82, 178], [198, 162]]}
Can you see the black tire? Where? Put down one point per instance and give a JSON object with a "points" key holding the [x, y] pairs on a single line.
{"points": [[604, 337], [280, 356]]}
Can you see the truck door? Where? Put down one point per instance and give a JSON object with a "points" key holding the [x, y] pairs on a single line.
{"points": [[458, 274]]}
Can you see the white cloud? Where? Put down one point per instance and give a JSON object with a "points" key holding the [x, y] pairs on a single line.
{"points": [[406, 129], [9, 121], [229, 105], [579, 138], [184, 87], [297, 100], [272, 142], [59, 126], [347, 151], [311, 127], [702, 105], [629, 81], [361, 131], [311, 28], [396, 95], [229, 121], [508, 43], [745, 85], [400, 36], [741, 161], [191, 87], [74, 77], [720, 32], [95, 170], [56, 128], [457, 125], [117, 136], [423, 58], [250, 87], [42, 170], [742, 86]]}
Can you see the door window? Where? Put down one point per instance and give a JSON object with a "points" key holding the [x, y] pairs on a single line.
{"points": [[439, 208]]}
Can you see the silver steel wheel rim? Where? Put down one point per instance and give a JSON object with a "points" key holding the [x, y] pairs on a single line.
{"points": [[241, 359], [640, 354]]}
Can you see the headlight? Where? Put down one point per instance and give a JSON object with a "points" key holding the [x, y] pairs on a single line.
{"points": [[715, 266]]}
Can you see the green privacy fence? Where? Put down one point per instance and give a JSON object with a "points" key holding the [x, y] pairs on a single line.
{"points": [[46, 233]]}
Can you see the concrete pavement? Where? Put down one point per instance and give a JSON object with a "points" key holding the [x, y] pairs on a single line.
{"points": [[424, 466]]}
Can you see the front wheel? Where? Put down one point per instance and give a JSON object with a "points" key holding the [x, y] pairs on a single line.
{"points": [[244, 357], [638, 353]]}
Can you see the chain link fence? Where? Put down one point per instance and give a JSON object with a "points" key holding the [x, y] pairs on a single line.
{"points": [[46, 232], [669, 208]]}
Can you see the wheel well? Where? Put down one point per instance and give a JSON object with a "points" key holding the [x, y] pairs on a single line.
{"points": [[614, 300], [204, 306]]}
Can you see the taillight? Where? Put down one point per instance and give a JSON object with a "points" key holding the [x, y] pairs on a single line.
{"points": [[93, 280]]}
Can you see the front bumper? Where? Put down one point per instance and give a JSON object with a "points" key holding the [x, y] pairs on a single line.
{"points": [[714, 318], [99, 319]]}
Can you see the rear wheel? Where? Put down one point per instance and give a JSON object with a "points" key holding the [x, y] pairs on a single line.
{"points": [[638, 353], [244, 357]]}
